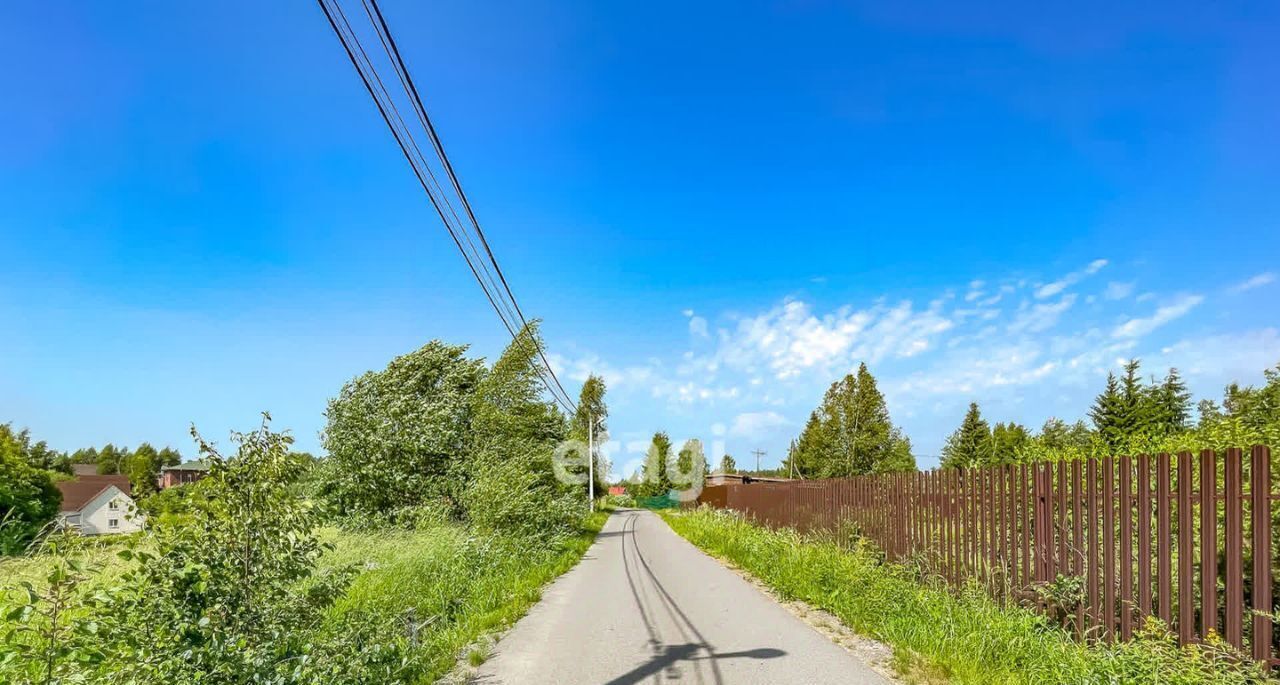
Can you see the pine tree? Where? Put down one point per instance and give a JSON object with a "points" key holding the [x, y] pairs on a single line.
{"points": [[728, 465], [1172, 404], [850, 433], [971, 444], [1107, 412]]}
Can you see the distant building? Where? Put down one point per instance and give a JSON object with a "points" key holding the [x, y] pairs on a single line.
{"points": [[99, 505], [182, 474], [720, 478], [617, 490]]}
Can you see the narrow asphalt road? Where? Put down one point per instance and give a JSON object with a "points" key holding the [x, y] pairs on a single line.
{"points": [[645, 606]]}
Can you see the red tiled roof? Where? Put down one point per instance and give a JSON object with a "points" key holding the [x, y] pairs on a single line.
{"points": [[79, 492]]}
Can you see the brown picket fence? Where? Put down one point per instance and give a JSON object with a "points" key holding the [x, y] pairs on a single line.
{"points": [[1153, 535]]}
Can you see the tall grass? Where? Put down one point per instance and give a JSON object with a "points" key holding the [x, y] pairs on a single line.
{"points": [[937, 633], [458, 586]]}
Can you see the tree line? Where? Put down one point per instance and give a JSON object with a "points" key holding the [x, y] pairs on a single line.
{"points": [[29, 469], [1129, 416], [437, 430], [850, 432], [229, 588]]}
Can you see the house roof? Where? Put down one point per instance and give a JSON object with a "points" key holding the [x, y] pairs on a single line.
{"points": [[188, 466], [746, 478], [84, 469], [79, 492]]}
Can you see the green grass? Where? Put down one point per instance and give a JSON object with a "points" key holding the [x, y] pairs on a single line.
{"points": [[939, 635], [99, 552], [462, 586]]}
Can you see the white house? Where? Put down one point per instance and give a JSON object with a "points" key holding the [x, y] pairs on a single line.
{"points": [[99, 505]]}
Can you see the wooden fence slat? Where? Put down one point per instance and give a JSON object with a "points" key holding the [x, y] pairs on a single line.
{"points": [[1002, 498], [1126, 548], [1028, 512], [1094, 579], [1186, 577], [957, 528], [971, 521], [1060, 519], [1208, 543], [1108, 548], [1018, 530], [1077, 539], [1260, 491], [1164, 543], [1144, 535]]}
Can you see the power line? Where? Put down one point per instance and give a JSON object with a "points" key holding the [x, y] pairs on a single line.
{"points": [[390, 112], [406, 80]]}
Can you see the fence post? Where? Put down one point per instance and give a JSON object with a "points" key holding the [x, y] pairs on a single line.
{"points": [[1186, 577], [1233, 529], [1208, 543], [1041, 502], [1260, 489]]}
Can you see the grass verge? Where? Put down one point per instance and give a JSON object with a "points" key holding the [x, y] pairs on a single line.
{"points": [[459, 585], [939, 635]]}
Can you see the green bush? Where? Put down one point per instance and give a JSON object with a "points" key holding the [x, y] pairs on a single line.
{"points": [[964, 636], [28, 501]]}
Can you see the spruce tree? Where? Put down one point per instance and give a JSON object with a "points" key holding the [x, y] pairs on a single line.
{"points": [[971, 444], [1107, 412], [728, 465], [850, 433], [1172, 404]]}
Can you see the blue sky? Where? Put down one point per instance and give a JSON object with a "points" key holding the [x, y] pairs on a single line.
{"points": [[721, 208]]}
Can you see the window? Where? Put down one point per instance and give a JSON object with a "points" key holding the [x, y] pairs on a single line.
{"points": [[113, 505], [113, 523]]}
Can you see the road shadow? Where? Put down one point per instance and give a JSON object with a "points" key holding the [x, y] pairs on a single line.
{"points": [[673, 654]]}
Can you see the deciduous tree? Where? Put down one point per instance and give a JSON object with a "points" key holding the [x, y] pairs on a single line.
{"points": [[850, 433], [399, 437]]}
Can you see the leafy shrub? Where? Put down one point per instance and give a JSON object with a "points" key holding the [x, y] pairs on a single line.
{"points": [[28, 501], [225, 593]]}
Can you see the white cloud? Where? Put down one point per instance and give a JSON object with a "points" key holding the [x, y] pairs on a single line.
{"points": [[698, 327], [1041, 317], [791, 339], [1051, 289], [757, 424], [1233, 356], [1256, 281], [1137, 327], [1118, 291]]}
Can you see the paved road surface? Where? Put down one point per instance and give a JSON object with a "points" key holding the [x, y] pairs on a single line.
{"points": [[645, 606]]}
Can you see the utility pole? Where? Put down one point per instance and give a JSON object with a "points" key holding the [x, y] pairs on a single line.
{"points": [[591, 461], [758, 453]]}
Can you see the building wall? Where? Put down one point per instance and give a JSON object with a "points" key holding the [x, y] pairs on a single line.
{"points": [[96, 516], [169, 479]]}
